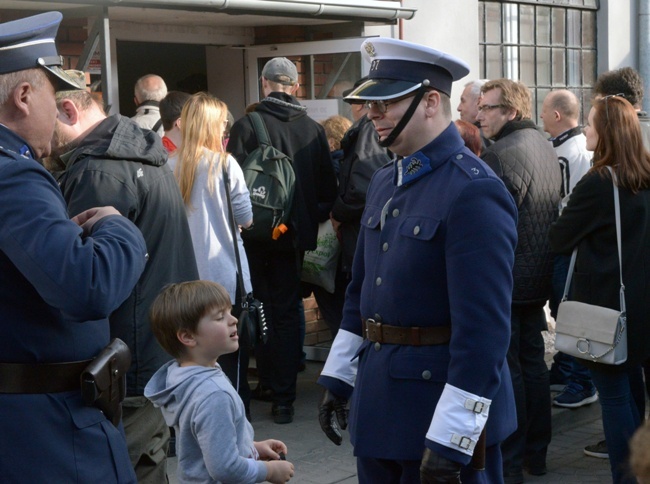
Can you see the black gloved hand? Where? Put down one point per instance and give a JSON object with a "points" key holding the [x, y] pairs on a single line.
{"points": [[330, 406], [436, 468]]}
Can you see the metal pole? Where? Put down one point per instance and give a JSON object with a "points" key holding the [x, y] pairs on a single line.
{"points": [[644, 50]]}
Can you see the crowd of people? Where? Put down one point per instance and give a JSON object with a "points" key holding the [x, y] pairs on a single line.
{"points": [[123, 228]]}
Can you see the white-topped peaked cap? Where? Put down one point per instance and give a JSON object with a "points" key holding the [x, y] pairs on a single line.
{"points": [[398, 67], [28, 43]]}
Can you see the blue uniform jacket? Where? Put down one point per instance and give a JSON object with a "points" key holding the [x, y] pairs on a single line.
{"points": [[56, 291], [436, 249]]}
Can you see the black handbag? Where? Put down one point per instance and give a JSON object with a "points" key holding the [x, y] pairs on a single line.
{"points": [[251, 318]]}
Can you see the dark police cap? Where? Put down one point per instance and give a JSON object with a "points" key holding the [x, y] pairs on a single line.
{"points": [[398, 67], [29, 43]]}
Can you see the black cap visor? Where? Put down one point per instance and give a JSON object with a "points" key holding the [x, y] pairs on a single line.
{"points": [[380, 89], [62, 80]]}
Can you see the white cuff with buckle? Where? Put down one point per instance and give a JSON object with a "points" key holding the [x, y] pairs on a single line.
{"points": [[459, 419], [339, 362]]}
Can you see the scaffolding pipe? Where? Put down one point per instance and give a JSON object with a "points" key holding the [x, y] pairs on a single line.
{"points": [[644, 50], [343, 9]]}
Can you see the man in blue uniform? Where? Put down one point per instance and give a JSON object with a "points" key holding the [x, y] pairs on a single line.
{"points": [[59, 280], [421, 353]]}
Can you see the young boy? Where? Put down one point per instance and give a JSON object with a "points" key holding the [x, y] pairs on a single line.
{"points": [[192, 322]]}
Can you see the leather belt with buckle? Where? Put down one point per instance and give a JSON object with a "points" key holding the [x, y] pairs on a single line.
{"points": [[402, 335]]}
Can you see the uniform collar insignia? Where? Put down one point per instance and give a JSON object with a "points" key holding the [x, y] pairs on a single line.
{"points": [[411, 168]]}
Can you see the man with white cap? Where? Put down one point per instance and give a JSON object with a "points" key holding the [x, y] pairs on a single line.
{"points": [[422, 347], [59, 281]]}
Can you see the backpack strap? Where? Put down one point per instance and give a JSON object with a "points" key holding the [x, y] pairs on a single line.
{"points": [[157, 126], [261, 132]]}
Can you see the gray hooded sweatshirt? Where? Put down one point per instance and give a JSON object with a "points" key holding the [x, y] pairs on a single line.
{"points": [[214, 440]]}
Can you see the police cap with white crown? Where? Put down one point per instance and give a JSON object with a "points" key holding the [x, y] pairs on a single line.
{"points": [[28, 43], [398, 68]]}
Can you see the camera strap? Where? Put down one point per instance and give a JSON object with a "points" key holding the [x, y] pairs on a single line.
{"points": [[234, 230]]}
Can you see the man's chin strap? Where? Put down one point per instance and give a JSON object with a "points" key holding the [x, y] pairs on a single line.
{"points": [[407, 115]]}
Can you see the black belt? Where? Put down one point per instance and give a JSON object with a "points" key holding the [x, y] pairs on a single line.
{"points": [[41, 377], [402, 335]]}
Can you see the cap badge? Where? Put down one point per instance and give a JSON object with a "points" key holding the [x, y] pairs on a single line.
{"points": [[370, 49]]}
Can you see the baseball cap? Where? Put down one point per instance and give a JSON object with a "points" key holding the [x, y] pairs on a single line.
{"points": [[281, 70]]}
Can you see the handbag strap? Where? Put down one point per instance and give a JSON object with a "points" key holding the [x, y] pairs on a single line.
{"points": [[233, 229], [617, 213]]}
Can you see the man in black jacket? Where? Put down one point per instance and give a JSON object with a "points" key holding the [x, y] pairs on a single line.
{"points": [[525, 161], [276, 266], [112, 161]]}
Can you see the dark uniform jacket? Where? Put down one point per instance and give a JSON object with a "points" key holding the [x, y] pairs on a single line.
{"points": [[57, 288], [525, 161], [588, 222], [123, 165], [303, 139], [362, 156], [436, 248]]}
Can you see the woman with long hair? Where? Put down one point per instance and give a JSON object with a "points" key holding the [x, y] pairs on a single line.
{"points": [[588, 222], [198, 165]]}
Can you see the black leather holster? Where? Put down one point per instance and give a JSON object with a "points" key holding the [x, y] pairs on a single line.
{"points": [[103, 381]]}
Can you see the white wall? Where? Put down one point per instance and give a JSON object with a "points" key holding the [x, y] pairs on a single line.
{"points": [[449, 26], [225, 71], [617, 35]]}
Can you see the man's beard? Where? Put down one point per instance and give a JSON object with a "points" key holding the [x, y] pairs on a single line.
{"points": [[61, 143]]}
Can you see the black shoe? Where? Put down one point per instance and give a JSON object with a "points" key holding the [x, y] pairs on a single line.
{"points": [[262, 393], [282, 414], [598, 450]]}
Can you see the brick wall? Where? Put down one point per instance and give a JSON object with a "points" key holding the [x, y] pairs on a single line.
{"points": [[316, 329]]}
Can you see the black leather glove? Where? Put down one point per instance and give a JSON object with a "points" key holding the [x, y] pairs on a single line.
{"points": [[436, 468], [332, 406]]}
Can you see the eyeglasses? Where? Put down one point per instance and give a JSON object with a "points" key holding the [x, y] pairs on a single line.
{"points": [[382, 106], [489, 107], [605, 98]]}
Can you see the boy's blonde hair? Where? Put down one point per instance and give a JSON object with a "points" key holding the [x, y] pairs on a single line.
{"points": [[181, 306], [640, 454]]}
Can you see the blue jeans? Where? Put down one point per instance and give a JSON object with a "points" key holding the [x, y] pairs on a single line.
{"points": [[616, 390]]}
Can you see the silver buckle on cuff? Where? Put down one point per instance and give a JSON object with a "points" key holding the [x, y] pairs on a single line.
{"points": [[475, 406], [463, 442]]}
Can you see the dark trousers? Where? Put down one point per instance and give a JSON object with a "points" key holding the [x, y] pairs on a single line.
{"points": [[384, 471], [235, 365], [275, 276], [530, 381], [621, 418]]}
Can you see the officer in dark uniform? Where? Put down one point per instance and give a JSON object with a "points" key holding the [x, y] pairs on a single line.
{"points": [[421, 353], [59, 280]]}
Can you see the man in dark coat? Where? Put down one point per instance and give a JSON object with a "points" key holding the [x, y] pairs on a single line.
{"points": [[430, 292], [113, 160], [525, 161], [276, 266], [59, 281]]}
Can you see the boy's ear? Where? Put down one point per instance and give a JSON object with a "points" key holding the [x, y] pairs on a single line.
{"points": [[186, 337]]}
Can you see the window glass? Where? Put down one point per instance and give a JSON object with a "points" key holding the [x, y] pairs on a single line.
{"points": [[574, 36], [493, 22], [543, 22], [510, 24], [526, 24], [557, 67], [493, 62], [574, 67], [527, 65], [543, 64], [589, 29], [511, 61], [588, 67], [557, 26]]}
